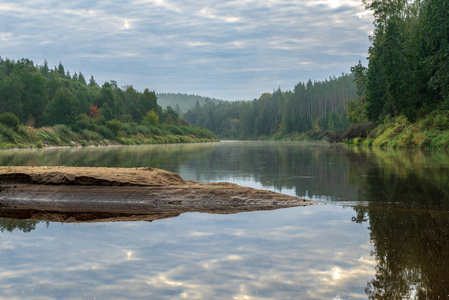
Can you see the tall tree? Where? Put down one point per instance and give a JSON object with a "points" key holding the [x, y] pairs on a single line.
{"points": [[60, 110], [435, 31]]}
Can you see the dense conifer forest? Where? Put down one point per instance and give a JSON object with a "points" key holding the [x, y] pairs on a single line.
{"points": [[311, 109], [181, 103], [405, 87]]}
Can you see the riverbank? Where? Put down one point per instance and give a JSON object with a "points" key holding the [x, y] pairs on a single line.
{"points": [[85, 194], [122, 134], [431, 132]]}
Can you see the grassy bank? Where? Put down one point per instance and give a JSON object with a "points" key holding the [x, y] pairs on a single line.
{"points": [[97, 135], [431, 132]]}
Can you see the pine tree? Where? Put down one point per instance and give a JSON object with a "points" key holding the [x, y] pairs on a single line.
{"points": [[61, 70], [45, 71], [92, 82]]}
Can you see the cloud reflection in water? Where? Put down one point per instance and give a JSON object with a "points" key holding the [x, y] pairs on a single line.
{"points": [[312, 252]]}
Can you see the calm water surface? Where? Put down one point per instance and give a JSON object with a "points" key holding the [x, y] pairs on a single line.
{"points": [[383, 233]]}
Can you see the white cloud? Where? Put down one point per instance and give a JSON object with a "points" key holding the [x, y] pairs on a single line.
{"points": [[191, 44]]}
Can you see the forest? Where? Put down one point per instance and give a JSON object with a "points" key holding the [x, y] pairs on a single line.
{"points": [[405, 87], [311, 109], [400, 99], [408, 69], [181, 103], [67, 108]]}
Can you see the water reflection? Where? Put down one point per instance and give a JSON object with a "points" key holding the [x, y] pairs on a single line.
{"points": [[313, 170], [17, 224], [293, 254], [384, 237], [406, 196], [410, 248]]}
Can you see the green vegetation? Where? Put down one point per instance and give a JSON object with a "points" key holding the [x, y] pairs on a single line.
{"points": [[111, 132], [400, 100], [183, 102], [307, 112], [42, 107], [405, 89], [408, 70], [403, 198], [430, 132], [11, 225]]}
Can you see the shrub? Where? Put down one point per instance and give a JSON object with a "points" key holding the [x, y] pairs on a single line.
{"points": [[8, 133], [174, 129], [130, 128], [144, 130], [359, 130], [10, 120], [106, 132], [100, 121], [151, 118], [127, 118], [115, 126], [333, 136], [48, 134], [90, 135], [84, 122], [29, 133]]}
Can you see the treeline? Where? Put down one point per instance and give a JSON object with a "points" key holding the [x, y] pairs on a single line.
{"points": [[311, 110], [35, 97], [408, 70], [403, 94], [181, 103], [45, 96]]}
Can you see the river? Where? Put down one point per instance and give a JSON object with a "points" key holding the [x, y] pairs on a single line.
{"points": [[382, 232]]}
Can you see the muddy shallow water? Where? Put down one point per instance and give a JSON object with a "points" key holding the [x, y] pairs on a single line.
{"points": [[382, 234]]}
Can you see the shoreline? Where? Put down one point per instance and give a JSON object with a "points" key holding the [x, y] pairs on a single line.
{"points": [[73, 193]]}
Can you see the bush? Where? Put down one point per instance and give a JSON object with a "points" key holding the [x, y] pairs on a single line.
{"points": [[8, 133], [127, 118], [99, 121], [173, 129], [145, 130], [157, 131], [10, 120], [115, 126], [49, 135], [84, 122], [106, 132], [334, 137], [90, 135], [130, 128], [151, 119], [359, 130]]}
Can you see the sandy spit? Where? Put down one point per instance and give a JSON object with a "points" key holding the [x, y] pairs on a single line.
{"points": [[82, 194]]}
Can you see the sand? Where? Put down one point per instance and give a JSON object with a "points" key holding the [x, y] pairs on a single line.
{"points": [[82, 194]]}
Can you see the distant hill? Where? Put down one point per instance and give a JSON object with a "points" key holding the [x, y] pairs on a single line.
{"points": [[184, 101]]}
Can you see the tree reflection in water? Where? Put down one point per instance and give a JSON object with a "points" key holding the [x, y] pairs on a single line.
{"points": [[408, 213], [402, 195], [13, 224]]}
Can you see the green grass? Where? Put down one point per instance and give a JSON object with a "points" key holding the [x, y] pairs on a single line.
{"points": [[128, 134], [430, 132]]}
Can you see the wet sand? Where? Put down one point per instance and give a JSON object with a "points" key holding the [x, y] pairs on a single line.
{"points": [[82, 194]]}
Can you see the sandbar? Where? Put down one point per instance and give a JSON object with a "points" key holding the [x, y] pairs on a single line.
{"points": [[95, 194]]}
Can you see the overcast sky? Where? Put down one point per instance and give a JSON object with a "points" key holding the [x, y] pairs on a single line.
{"points": [[217, 48]]}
